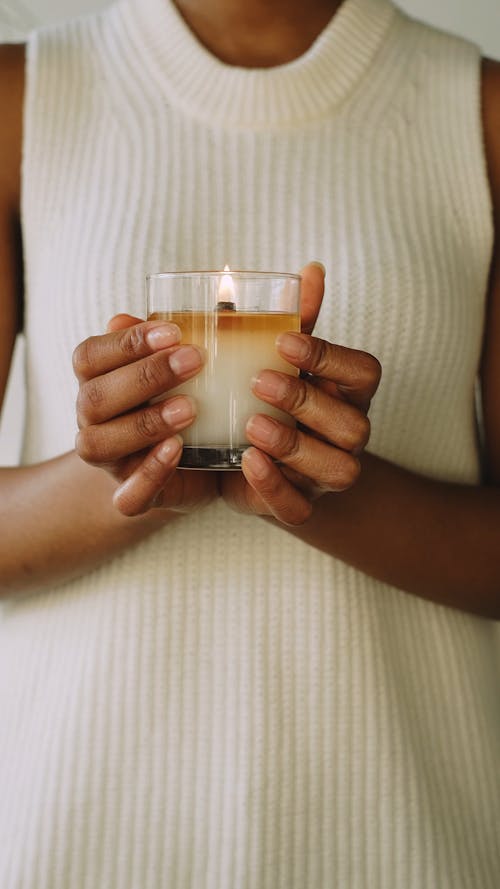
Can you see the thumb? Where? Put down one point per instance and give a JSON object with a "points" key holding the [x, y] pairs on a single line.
{"points": [[120, 322], [312, 291]]}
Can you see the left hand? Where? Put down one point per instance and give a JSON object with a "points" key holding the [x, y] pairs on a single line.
{"points": [[330, 406]]}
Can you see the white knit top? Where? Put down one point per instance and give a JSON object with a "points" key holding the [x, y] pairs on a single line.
{"points": [[223, 706]]}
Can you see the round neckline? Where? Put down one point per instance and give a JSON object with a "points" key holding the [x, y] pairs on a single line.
{"points": [[304, 89]]}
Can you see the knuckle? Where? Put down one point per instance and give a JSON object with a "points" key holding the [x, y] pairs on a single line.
{"points": [[301, 514], [348, 473], [290, 444], [271, 488], [153, 469], [298, 397], [321, 358], [148, 424], [90, 398], [127, 503], [131, 341], [88, 445], [360, 432], [152, 375], [83, 358], [370, 370], [124, 468], [294, 451]]}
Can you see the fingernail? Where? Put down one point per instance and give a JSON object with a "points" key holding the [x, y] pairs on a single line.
{"points": [[264, 429], [179, 411], [168, 450], [270, 384], [294, 346], [185, 360], [320, 265], [256, 462], [163, 336]]}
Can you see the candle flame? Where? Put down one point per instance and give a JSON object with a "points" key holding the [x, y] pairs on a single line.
{"points": [[226, 286]]}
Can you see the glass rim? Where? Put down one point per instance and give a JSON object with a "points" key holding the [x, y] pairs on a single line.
{"points": [[237, 273]]}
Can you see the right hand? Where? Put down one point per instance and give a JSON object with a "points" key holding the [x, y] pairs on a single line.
{"points": [[122, 432]]}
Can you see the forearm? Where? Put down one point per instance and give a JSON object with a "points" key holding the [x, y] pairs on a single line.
{"points": [[439, 541], [58, 521]]}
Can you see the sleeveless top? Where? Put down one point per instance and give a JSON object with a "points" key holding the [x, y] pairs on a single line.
{"points": [[223, 706]]}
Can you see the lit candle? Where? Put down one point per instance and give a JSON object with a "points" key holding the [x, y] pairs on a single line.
{"points": [[226, 290], [235, 318]]}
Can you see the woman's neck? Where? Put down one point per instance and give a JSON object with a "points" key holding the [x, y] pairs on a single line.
{"points": [[257, 33]]}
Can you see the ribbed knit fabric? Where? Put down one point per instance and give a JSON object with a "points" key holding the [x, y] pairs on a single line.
{"points": [[223, 706]]}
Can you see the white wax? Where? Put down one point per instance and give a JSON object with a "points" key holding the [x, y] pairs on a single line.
{"points": [[237, 346]]}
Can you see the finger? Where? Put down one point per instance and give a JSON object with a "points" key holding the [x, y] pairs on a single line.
{"points": [[330, 467], [140, 491], [124, 389], [339, 422], [105, 443], [356, 374], [189, 489], [270, 493], [311, 294], [121, 321], [98, 355]]}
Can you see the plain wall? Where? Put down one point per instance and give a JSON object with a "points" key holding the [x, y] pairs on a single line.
{"points": [[479, 20]]}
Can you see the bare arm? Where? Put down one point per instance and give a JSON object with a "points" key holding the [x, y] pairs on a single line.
{"points": [[438, 541], [57, 519]]}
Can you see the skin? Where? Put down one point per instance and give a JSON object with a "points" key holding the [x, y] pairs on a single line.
{"points": [[431, 539], [257, 34]]}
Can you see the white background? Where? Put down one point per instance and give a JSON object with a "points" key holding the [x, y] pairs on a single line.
{"points": [[479, 20]]}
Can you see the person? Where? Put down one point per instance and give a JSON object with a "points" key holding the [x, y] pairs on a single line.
{"points": [[284, 676]]}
